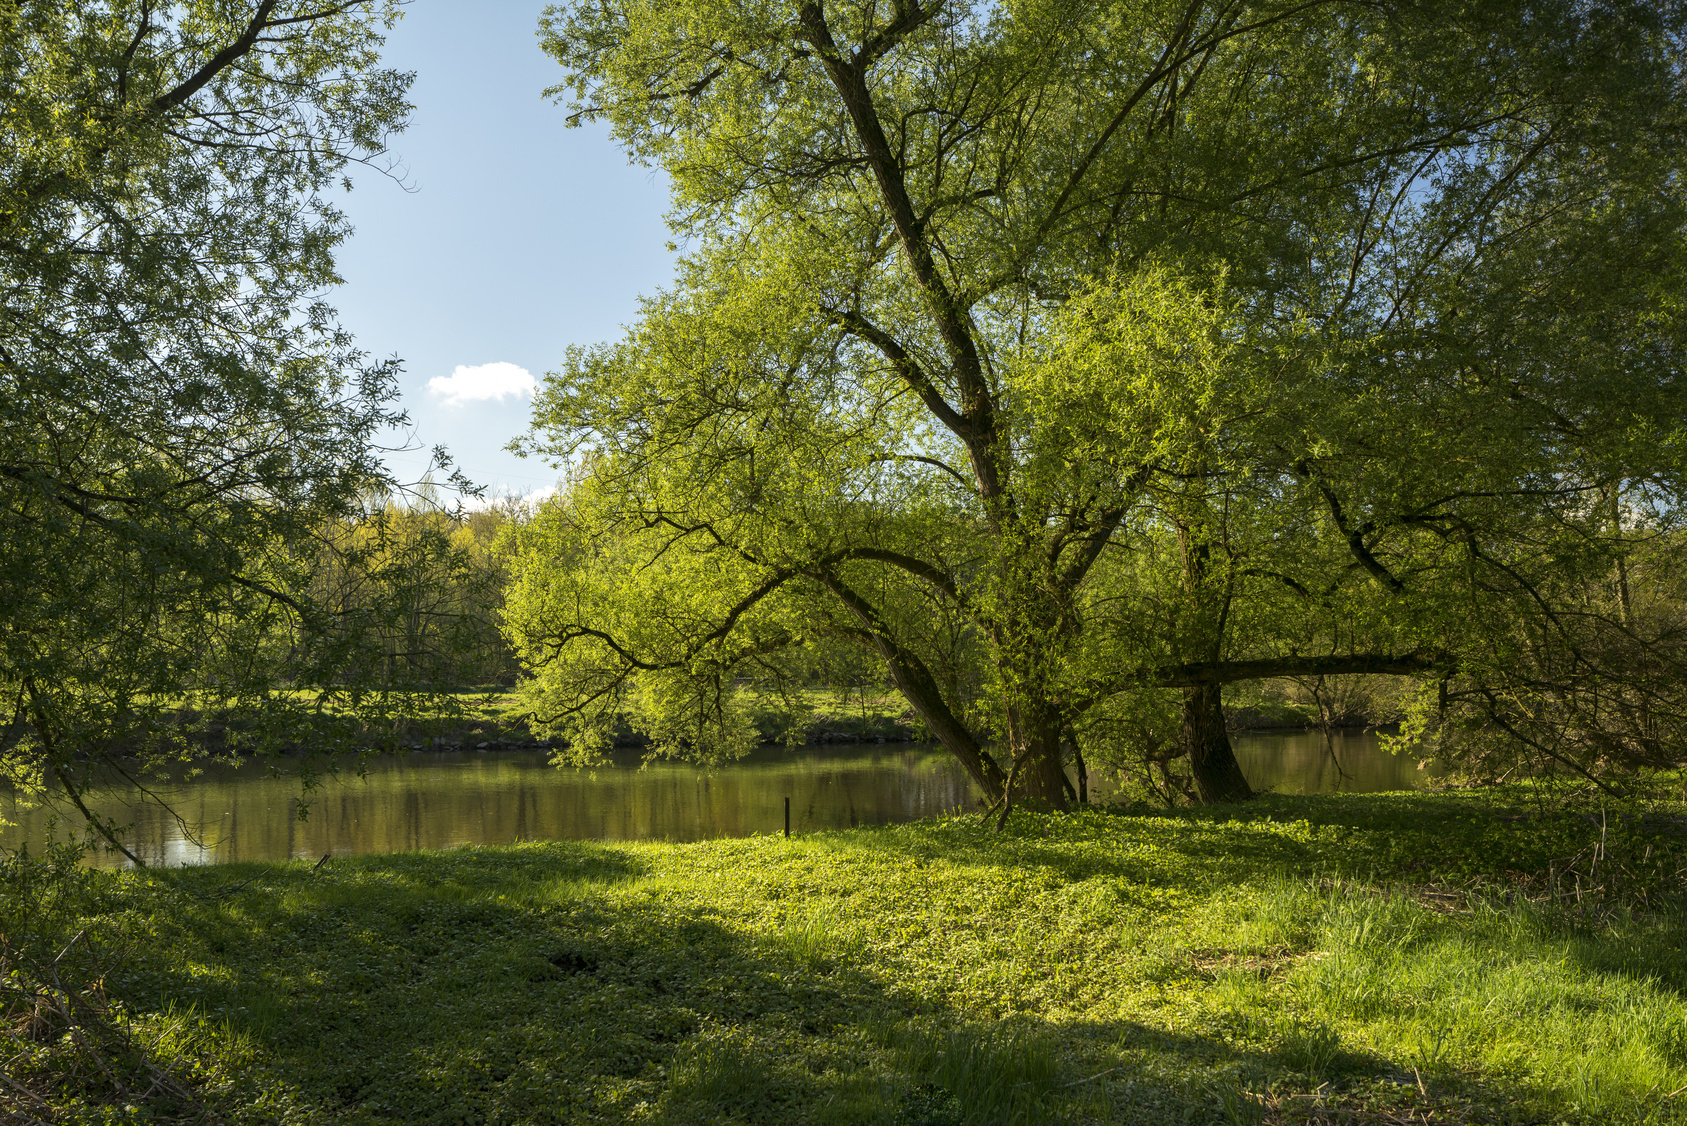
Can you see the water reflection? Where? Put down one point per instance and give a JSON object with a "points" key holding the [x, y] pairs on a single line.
{"points": [[1301, 762], [1307, 762], [435, 800]]}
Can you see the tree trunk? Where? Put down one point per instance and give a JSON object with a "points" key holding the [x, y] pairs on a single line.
{"points": [[1083, 770], [1218, 777], [920, 690], [1039, 773]]}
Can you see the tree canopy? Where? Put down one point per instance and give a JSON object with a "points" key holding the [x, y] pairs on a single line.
{"points": [[1123, 350], [184, 415]]}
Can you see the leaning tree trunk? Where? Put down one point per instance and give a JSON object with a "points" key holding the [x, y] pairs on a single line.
{"points": [[1218, 777]]}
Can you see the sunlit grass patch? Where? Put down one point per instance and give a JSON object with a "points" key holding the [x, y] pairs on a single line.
{"points": [[1506, 991], [818, 937]]}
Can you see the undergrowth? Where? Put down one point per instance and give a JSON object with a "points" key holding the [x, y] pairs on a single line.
{"points": [[1457, 957], [69, 1051]]}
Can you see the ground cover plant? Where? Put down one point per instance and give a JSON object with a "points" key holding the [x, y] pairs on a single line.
{"points": [[1453, 957]]}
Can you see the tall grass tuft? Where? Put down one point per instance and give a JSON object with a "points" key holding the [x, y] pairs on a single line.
{"points": [[1002, 1075], [723, 1075], [1239, 1107], [717, 1078], [819, 938], [1310, 1046], [1278, 915]]}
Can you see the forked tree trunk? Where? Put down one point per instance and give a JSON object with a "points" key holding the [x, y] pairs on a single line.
{"points": [[1212, 762]]}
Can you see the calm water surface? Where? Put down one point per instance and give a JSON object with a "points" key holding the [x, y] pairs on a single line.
{"points": [[435, 800]]}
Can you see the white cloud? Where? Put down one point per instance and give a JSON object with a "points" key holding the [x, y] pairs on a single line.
{"points": [[539, 496], [482, 381]]}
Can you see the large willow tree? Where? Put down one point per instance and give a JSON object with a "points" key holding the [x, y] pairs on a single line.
{"points": [[183, 415], [1112, 349]]}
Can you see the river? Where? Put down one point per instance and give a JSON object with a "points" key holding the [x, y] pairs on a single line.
{"points": [[439, 799]]}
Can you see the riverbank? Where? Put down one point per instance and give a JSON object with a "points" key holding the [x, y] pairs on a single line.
{"points": [[494, 719], [1450, 957]]}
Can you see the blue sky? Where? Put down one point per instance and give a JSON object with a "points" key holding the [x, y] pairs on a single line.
{"points": [[518, 236]]}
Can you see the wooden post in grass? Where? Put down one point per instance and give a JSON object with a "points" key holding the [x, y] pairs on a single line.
{"points": [[787, 817]]}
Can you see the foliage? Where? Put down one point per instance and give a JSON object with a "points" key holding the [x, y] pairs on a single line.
{"points": [[429, 582], [1390, 955], [185, 418], [1587, 682], [1076, 361]]}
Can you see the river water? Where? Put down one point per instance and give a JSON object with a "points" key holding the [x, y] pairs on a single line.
{"points": [[439, 799]]}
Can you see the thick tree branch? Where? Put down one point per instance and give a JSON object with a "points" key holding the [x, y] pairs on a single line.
{"points": [[931, 461], [919, 687], [906, 366], [1355, 537], [849, 78], [1197, 673], [218, 62]]}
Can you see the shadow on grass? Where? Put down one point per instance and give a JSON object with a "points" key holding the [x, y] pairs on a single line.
{"points": [[551, 983], [525, 985], [1211, 846]]}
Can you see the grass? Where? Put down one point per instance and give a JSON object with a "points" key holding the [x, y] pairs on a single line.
{"points": [[1453, 957], [1002, 1074]]}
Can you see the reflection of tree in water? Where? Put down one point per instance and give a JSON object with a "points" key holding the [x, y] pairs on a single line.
{"points": [[1303, 762], [1325, 762], [440, 800]]}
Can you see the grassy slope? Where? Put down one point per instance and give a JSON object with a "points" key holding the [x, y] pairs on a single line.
{"points": [[1326, 959]]}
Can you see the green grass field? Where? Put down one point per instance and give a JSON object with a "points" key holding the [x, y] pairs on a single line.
{"points": [[1453, 957]]}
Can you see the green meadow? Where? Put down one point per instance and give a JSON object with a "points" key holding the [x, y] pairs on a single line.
{"points": [[1449, 957]]}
